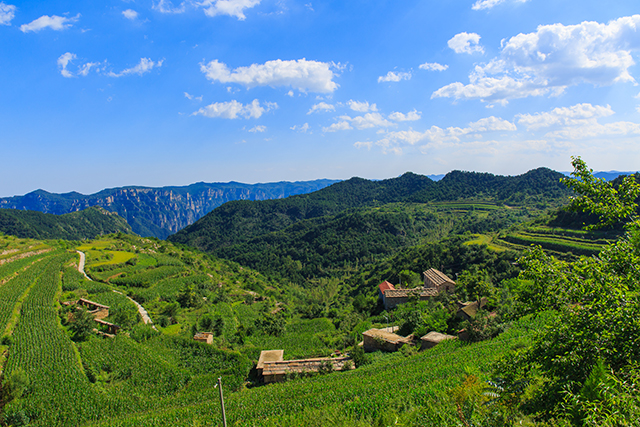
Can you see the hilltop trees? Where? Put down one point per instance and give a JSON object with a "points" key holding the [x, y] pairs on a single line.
{"points": [[583, 369]]}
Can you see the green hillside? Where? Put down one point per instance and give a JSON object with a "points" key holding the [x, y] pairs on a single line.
{"points": [[85, 224]]}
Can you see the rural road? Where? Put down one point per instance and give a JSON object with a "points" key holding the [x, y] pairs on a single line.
{"points": [[143, 313]]}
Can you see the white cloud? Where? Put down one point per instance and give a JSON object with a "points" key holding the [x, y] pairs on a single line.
{"points": [[304, 128], [7, 13], [63, 62], [228, 7], [165, 6], [54, 22], [303, 75], [410, 116], [234, 109], [553, 58], [343, 125], [392, 76], [488, 4], [144, 66], [577, 115], [433, 66], [465, 43], [290, 93], [130, 14], [361, 107], [192, 97], [259, 128], [396, 140], [369, 120], [321, 106], [84, 69]]}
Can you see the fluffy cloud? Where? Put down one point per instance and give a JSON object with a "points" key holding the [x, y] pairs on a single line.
{"points": [[394, 141], [234, 109], [144, 66], [488, 4], [228, 7], [392, 76], [63, 62], [361, 107], [54, 22], [130, 14], [343, 125], [465, 43], [410, 116], [259, 128], [304, 128], [165, 6], [321, 106], [577, 115], [7, 13], [554, 57], [433, 66], [578, 122], [303, 75]]}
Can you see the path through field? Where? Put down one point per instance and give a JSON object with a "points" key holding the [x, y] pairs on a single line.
{"points": [[143, 313]]}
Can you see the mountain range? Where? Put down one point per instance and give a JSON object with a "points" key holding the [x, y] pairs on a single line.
{"points": [[160, 212]]}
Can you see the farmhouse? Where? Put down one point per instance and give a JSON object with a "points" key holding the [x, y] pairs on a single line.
{"points": [[205, 337], [468, 310], [99, 311], [378, 339], [273, 368], [434, 283], [435, 279], [432, 339]]}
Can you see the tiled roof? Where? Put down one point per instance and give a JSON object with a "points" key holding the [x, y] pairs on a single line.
{"points": [[385, 286], [437, 277], [400, 293]]}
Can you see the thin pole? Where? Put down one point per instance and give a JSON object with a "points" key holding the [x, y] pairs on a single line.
{"points": [[224, 416]]}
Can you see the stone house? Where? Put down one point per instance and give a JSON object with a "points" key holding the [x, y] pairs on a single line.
{"points": [[378, 339], [435, 279], [273, 368], [205, 337], [432, 339]]}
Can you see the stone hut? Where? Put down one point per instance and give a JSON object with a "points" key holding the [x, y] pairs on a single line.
{"points": [[99, 311], [378, 339], [435, 279], [432, 339], [112, 329], [392, 297], [205, 337], [273, 368], [468, 310]]}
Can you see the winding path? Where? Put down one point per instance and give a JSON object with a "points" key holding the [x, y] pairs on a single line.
{"points": [[143, 313]]}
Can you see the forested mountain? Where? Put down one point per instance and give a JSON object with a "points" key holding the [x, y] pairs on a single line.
{"points": [[85, 224], [239, 222], [159, 212]]}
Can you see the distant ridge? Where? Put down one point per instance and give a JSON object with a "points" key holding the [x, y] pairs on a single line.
{"points": [[161, 211], [607, 175]]}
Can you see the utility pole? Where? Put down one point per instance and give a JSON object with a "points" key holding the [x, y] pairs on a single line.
{"points": [[224, 416]]}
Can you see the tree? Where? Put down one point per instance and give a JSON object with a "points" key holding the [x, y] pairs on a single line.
{"points": [[81, 324], [590, 348]]}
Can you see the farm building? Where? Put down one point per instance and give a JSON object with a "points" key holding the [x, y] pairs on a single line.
{"points": [[434, 283], [205, 337], [432, 339], [273, 368], [435, 279], [468, 310], [99, 311], [378, 339]]}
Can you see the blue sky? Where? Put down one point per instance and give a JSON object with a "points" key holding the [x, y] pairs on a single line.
{"points": [[113, 93]]}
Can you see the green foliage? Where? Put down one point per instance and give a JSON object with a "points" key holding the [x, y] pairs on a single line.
{"points": [[599, 197], [81, 324], [85, 224], [15, 385]]}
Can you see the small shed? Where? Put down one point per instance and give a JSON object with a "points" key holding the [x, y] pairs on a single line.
{"points": [[468, 310], [273, 368], [205, 337], [377, 339], [99, 311], [436, 279], [432, 339]]}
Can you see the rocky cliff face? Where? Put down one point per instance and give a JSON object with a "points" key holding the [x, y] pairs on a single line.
{"points": [[159, 212]]}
